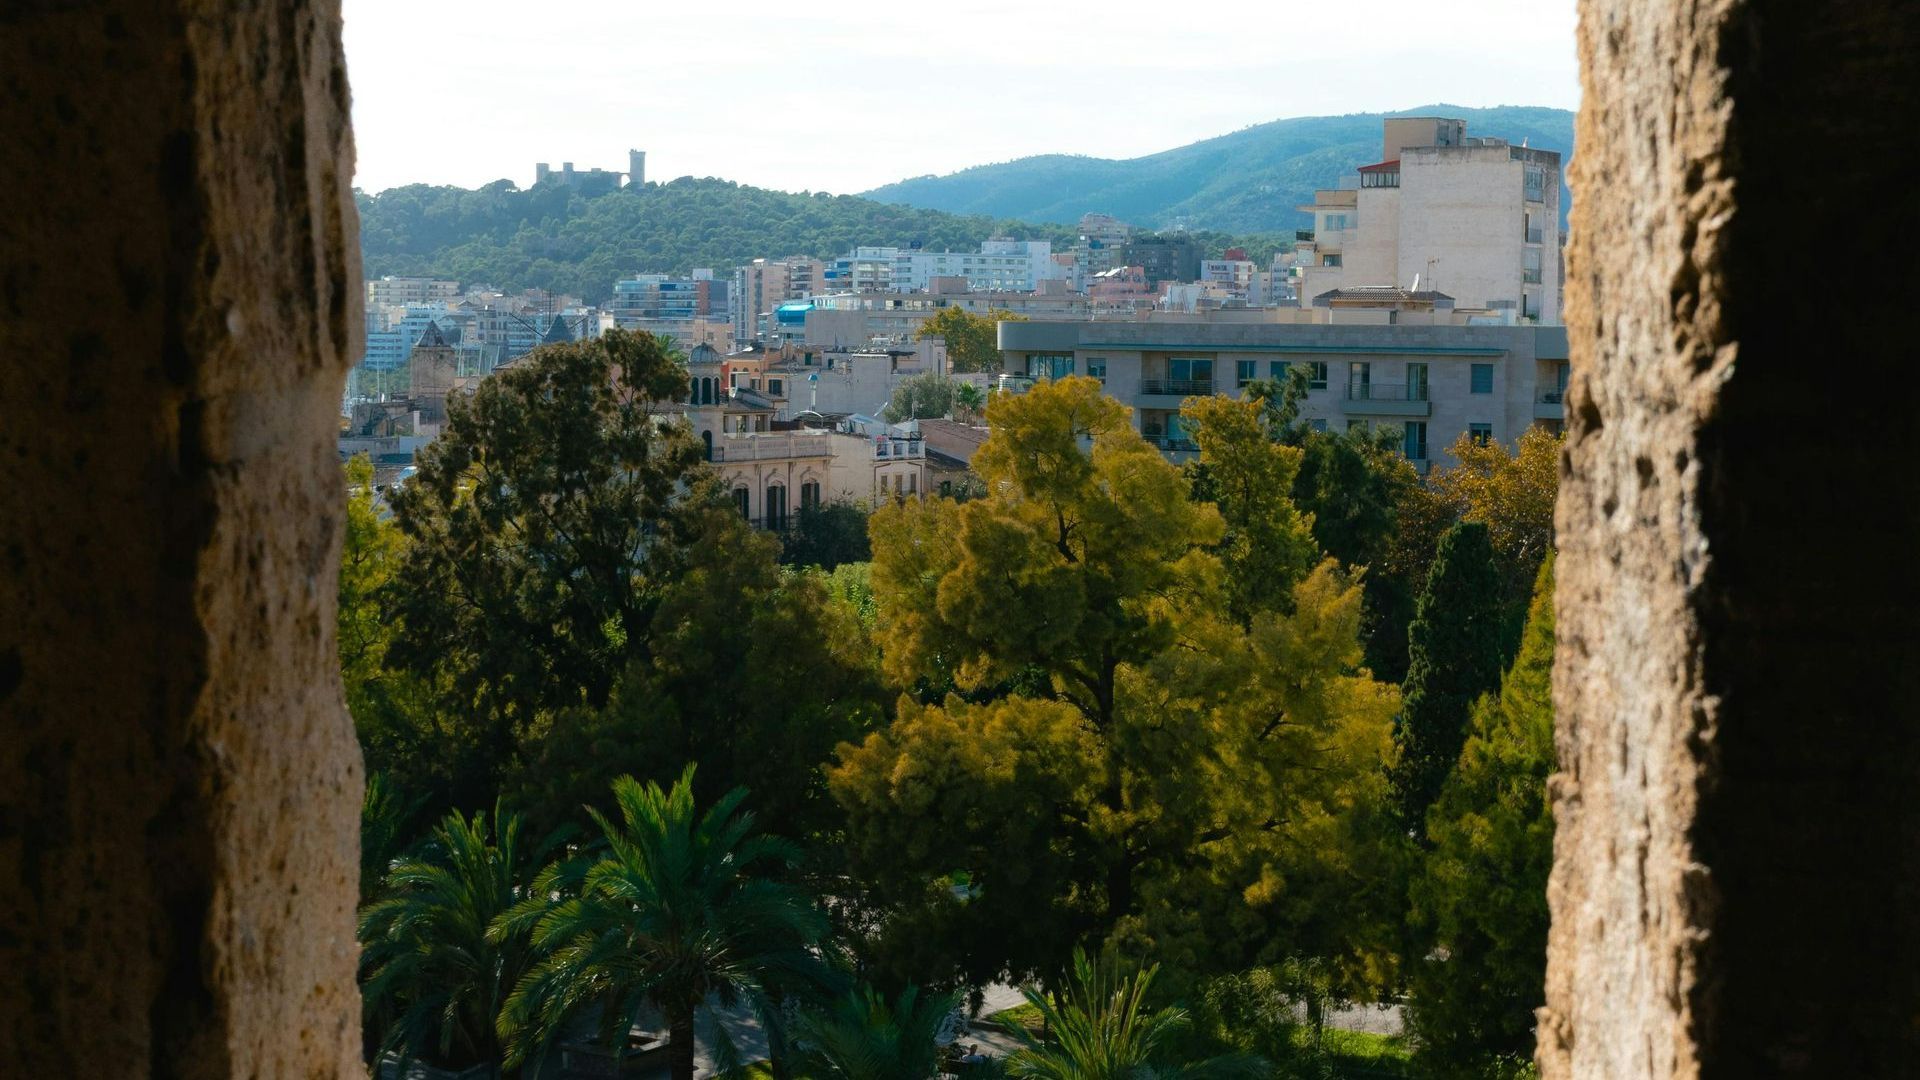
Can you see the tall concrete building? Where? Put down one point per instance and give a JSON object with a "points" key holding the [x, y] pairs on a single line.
{"points": [[1475, 218], [760, 287]]}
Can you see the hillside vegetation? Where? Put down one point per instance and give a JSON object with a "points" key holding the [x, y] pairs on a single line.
{"points": [[1249, 181], [553, 238], [549, 237]]}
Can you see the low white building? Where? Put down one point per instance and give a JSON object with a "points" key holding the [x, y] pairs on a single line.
{"points": [[874, 461]]}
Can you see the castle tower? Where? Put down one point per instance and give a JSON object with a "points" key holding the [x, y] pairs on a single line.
{"points": [[636, 168]]}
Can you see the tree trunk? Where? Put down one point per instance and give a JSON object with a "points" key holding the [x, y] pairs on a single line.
{"points": [[680, 1045]]}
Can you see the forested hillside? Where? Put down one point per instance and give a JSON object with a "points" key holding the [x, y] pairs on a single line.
{"points": [[1249, 181], [554, 238]]}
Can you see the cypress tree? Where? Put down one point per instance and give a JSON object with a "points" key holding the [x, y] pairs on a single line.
{"points": [[1480, 904], [1453, 656]]}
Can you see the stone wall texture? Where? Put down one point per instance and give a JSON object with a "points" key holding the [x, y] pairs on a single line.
{"points": [[179, 300], [1736, 885]]}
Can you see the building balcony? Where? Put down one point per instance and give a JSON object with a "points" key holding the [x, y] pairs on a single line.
{"points": [[1531, 277], [1386, 399], [1176, 387], [1550, 405], [1169, 444], [770, 446]]}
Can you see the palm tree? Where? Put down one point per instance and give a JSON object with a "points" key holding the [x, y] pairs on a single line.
{"points": [[672, 913], [969, 399], [863, 1037], [431, 974], [1102, 1029]]}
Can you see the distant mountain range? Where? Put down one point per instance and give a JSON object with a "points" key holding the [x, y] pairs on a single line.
{"points": [[1246, 182]]}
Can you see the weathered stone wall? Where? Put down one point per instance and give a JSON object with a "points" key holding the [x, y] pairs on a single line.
{"points": [[1736, 886], [179, 269]]}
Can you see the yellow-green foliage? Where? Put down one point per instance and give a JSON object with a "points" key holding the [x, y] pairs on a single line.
{"points": [[1122, 760]]}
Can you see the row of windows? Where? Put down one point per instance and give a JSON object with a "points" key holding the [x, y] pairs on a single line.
{"points": [[776, 515], [1415, 436], [1200, 369]]}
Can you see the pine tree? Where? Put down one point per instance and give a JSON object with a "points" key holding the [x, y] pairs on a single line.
{"points": [[1480, 906], [1454, 656]]}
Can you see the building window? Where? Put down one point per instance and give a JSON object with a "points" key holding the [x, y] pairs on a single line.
{"points": [[776, 507], [1481, 434], [809, 496], [1318, 424], [1277, 370], [1316, 374], [1049, 366], [773, 387], [1330, 260], [1360, 381], [1417, 382], [1191, 369], [946, 489], [1416, 441], [1536, 184], [1244, 372], [1097, 367], [743, 499], [1482, 375], [913, 483]]}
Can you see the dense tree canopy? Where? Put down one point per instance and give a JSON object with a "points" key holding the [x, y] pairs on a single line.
{"points": [[554, 237], [927, 396], [1480, 906], [1133, 768], [1454, 646], [1249, 476], [1512, 493], [973, 341]]}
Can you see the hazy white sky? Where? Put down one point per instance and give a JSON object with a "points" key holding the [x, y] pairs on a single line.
{"points": [[845, 95]]}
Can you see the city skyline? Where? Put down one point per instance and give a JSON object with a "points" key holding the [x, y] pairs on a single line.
{"points": [[850, 99]]}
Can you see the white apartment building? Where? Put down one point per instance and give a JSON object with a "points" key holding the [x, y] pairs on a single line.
{"points": [[1475, 218], [864, 269], [394, 291], [999, 266]]}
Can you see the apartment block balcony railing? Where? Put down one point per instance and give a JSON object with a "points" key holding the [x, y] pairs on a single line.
{"points": [[1550, 405], [1387, 399], [900, 449], [1303, 234], [1169, 443], [1176, 387]]}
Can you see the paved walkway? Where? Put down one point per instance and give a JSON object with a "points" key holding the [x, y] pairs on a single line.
{"points": [[982, 1032]]}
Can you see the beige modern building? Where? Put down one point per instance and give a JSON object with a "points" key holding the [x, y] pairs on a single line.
{"points": [[1433, 381], [1475, 218]]}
